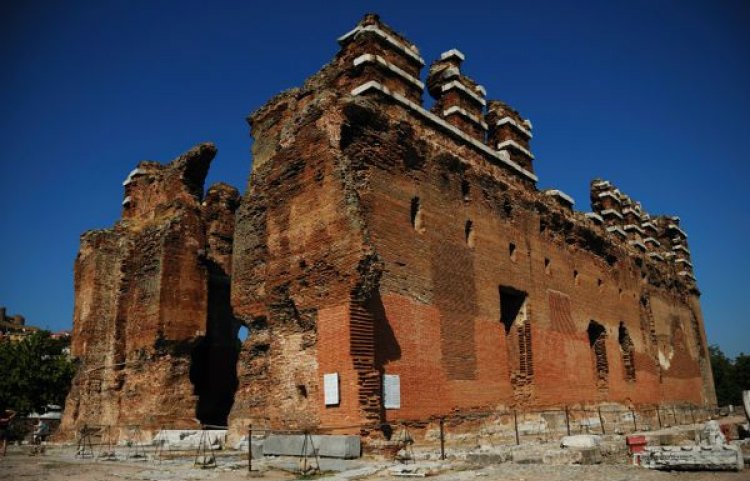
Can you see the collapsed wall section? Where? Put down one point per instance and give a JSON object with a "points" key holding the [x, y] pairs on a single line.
{"points": [[149, 294]]}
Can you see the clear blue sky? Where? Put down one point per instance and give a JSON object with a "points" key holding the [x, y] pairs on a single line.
{"points": [[653, 95]]}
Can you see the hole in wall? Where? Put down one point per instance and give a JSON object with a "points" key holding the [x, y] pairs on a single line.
{"points": [[213, 360], [213, 373], [512, 251], [547, 263], [627, 350], [242, 334], [576, 278], [417, 221], [511, 306], [302, 390], [515, 320], [597, 335], [469, 234], [507, 207], [465, 190]]}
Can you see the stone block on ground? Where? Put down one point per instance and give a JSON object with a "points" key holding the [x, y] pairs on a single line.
{"points": [[257, 447], [581, 441], [691, 458], [568, 456], [486, 459], [189, 438], [331, 446]]}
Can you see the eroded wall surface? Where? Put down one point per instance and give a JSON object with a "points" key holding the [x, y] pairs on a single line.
{"points": [[152, 296]]}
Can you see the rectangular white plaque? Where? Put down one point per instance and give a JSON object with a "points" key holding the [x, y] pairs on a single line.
{"points": [[331, 388], [392, 391]]}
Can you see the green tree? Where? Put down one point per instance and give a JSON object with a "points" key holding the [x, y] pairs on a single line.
{"points": [[725, 380], [34, 372]]}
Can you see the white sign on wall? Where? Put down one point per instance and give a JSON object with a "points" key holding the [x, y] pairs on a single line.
{"points": [[331, 389], [392, 391]]}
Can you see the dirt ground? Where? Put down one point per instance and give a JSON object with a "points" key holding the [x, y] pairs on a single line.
{"points": [[61, 466], [18, 465]]}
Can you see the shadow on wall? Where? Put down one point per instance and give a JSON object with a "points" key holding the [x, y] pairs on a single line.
{"points": [[213, 362], [387, 348]]}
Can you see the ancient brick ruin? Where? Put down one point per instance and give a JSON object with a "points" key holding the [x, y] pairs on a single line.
{"points": [[390, 261], [152, 324]]}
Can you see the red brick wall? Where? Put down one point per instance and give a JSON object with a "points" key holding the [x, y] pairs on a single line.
{"points": [[442, 303]]}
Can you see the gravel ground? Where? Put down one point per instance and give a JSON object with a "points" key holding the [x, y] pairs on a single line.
{"points": [[60, 464]]}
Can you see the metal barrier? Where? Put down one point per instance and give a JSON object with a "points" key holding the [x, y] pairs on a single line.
{"points": [[458, 431]]}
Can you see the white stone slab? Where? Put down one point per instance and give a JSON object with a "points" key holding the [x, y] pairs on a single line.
{"points": [[581, 441], [329, 446], [331, 389], [392, 391], [188, 438]]}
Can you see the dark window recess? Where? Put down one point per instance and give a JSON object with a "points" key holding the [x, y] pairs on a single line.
{"points": [[512, 251], [417, 221], [576, 278], [515, 320], [507, 207], [511, 303], [465, 189], [547, 263], [302, 390], [597, 341], [213, 358], [628, 352], [469, 233]]}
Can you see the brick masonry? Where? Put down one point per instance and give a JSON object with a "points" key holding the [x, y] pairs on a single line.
{"points": [[151, 297], [362, 201], [377, 237]]}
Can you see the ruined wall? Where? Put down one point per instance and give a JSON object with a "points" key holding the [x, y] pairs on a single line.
{"points": [[300, 256], [143, 290], [380, 238]]}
